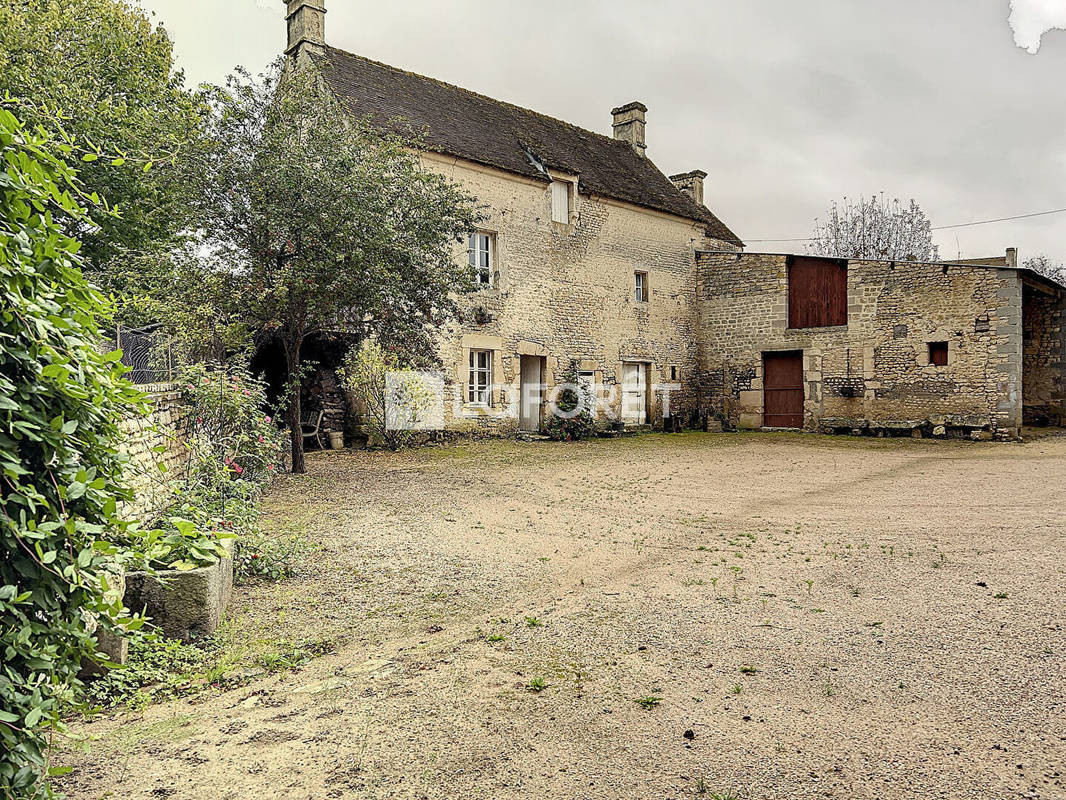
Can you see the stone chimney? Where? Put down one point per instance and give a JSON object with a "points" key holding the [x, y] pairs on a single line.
{"points": [[629, 125], [691, 183], [307, 26], [1012, 257]]}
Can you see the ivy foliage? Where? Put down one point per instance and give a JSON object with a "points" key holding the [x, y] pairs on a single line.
{"points": [[60, 473], [572, 410]]}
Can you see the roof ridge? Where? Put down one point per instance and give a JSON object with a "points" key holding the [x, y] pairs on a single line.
{"points": [[447, 85], [500, 134]]}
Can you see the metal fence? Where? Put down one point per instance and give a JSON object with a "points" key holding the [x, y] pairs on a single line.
{"points": [[147, 352]]}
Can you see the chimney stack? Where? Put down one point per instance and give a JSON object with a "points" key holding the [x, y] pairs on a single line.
{"points": [[691, 183], [307, 26], [629, 125], [1012, 257]]}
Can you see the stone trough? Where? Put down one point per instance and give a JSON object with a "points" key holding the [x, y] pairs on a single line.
{"points": [[184, 604]]}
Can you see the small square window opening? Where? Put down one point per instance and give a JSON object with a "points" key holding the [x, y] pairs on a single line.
{"points": [[938, 354]]}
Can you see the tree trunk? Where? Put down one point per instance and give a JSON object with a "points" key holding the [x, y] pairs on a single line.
{"points": [[293, 413]]}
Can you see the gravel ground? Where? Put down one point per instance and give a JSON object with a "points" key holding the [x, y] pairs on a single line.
{"points": [[804, 617]]}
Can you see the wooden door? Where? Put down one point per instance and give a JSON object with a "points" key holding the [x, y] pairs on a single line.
{"points": [[783, 389], [634, 393], [530, 389]]}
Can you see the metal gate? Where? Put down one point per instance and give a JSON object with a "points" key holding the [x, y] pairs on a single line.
{"points": [[783, 389]]}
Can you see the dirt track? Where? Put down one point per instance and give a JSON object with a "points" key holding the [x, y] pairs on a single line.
{"points": [[821, 614]]}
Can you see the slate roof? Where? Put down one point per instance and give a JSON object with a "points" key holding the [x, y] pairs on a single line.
{"points": [[471, 126]]}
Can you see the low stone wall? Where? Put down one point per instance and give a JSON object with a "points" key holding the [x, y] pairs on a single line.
{"points": [[184, 604], [154, 445]]}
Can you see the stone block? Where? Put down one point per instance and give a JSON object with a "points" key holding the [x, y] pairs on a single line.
{"points": [[750, 399], [183, 604]]}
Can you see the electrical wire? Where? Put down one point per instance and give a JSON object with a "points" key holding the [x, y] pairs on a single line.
{"points": [[937, 228]]}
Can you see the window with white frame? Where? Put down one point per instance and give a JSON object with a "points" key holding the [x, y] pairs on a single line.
{"points": [[640, 287], [479, 379], [480, 252], [561, 201]]}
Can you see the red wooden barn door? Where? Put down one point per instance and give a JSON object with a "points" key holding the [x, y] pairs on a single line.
{"points": [[783, 389]]}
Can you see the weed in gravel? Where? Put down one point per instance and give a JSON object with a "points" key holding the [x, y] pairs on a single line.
{"points": [[270, 558], [495, 637], [533, 622], [830, 688], [648, 702], [737, 688], [736, 570], [1000, 595], [748, 669], [728, 794], [289, 655], [810, 585], [537, 684]]}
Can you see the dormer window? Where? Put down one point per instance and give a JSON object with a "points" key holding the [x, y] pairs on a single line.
{"points": [[479, 250], [561, 203]]}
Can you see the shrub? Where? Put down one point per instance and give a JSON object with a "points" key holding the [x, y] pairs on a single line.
{"points": [[263, 557], [573, 416], [228, 423], [394, 398], [61, 472], [234, 449]]}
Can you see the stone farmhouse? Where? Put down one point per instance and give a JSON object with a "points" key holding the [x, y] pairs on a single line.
{"points": [[591, 258]]}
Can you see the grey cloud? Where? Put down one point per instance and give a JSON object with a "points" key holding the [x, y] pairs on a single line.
{"points": [[786, 104]]}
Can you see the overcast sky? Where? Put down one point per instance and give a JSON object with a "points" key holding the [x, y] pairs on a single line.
{"points": [[786, 104]]}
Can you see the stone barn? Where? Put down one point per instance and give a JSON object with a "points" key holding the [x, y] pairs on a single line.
{"points": [[885, 347]]}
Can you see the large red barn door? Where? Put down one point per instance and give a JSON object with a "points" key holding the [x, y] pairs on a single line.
{"points": [[783, 389]]}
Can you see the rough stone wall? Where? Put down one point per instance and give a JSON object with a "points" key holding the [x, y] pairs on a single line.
{"points": [[161, 429], [873, 373], [566, 292], [1043, 354]]}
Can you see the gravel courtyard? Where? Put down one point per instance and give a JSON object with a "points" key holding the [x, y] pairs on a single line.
{"points": [[798, 617]]}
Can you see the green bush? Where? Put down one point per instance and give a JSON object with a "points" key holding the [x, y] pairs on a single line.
{"points": [[572, 416], [391, 408], [61, 473]]}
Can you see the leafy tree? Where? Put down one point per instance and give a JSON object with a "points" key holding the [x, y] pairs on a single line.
{"points": [[60, 473], [98, 73], [1044, 265], [323, 223], [875, 229]]}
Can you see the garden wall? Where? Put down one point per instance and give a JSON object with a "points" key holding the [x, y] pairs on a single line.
{"points": [[154, 444]]}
